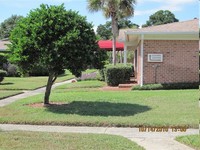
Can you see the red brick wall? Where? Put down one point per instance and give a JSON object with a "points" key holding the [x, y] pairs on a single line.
{"points": [[180, 61]]}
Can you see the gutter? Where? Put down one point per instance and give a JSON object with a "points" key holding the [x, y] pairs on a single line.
{"points": [[179, 33]]}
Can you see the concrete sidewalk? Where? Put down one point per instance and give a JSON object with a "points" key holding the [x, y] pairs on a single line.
{"points": [[148, 140], [12, 99]]}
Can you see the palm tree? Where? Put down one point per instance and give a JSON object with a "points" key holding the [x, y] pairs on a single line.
{"points": [[114, 9]]}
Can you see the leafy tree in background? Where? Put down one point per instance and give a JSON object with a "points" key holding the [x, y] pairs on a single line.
{"points": [[125, 23], [161, 17], [8, 25], [57, 39], [105, 30], [114, 9]]}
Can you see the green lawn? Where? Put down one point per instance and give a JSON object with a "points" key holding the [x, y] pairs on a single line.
{"points": [[90, 85], [190, 140], [30, 83], [63, 141], [107, 108], [6, 93]]}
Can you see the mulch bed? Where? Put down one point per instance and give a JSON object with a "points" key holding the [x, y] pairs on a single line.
{"points": [[41, 105], [110, 88]]}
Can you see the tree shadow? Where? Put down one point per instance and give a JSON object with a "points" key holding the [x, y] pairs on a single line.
{"points": [[98, 108], [8, 83]]}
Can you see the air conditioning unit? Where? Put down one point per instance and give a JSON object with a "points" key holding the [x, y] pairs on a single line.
{"points": [[155, 57]]}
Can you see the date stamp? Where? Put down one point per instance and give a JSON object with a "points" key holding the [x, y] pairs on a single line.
{"points": [[163, 129]]}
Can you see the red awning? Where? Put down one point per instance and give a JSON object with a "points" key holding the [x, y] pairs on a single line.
{"points": [[107, 45]]}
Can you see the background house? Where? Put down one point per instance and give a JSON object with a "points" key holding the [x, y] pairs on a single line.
{"points": [[3, 45], [166, 53]]}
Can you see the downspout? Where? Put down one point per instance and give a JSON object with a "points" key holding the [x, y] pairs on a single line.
{"points": [[142, 57]]}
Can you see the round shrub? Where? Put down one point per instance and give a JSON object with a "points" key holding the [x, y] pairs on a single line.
{"points": [[2, 75], [13, 71]]}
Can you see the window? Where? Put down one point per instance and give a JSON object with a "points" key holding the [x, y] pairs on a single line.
{"points": [[155, 57]]}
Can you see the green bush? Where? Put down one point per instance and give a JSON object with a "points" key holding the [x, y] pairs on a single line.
{"points": [[100, 75], [13, 71], [167, 86], [115, 75], [38, 70], [3, 59], [2, 75]]}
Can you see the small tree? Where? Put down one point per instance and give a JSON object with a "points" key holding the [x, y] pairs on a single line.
{"points": [[57, 39]]}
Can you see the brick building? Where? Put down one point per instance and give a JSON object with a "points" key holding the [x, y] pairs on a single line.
{"points": [[165, 53]]}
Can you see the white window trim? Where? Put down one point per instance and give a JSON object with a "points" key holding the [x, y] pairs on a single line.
{"points": [[158, 55]]}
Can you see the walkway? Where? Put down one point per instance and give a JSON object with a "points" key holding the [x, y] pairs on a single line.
{"points": [[12, 99], [149, 140]]}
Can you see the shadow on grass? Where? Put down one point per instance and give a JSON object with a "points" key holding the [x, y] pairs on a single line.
{"points": [[9, 83], [98, 108]]}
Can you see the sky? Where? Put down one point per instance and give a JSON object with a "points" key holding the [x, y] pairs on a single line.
{"points": [[183, 9]]}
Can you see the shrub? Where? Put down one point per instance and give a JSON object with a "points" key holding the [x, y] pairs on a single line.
{"points": [[3, 60], [100, 75], [2, 75], [115, 75], [167, 86], [194, 85], [13, 71], [39, 70]]}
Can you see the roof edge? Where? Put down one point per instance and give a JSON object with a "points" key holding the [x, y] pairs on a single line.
{"points": [[143, 33]]}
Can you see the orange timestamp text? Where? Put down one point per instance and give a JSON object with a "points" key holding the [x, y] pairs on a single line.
{"points": [[163, 129]]}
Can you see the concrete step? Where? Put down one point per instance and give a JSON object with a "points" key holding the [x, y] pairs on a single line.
{"points": [[126, 85]]}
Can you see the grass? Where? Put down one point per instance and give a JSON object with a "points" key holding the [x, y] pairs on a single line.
{"points": [[6, 93], [107, 108], [90, 85], [63, 141], [31, 83], [190, 140]]}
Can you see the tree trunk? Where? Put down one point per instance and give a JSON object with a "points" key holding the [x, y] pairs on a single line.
{"points": [[114, 32], [50, 82], [114, 50]]}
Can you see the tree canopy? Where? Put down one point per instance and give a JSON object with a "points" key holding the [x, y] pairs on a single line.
{"points": [[161, 17], [104, 31], [8, 25], [57, 39]]}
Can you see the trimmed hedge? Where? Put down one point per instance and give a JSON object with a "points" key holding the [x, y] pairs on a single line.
{"points": [[115, 75], [167, 86], [2, 75]]}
